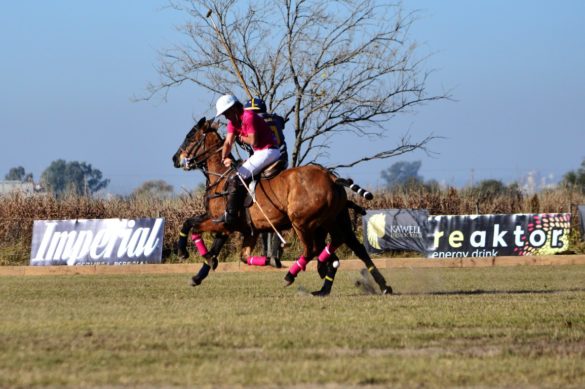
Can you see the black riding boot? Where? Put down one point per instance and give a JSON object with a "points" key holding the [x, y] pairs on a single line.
{"points": [[235, 197]]}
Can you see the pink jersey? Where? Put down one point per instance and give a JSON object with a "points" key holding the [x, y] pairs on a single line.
{"points": [[254, 124]]}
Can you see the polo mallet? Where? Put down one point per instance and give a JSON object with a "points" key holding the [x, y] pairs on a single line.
{"points": [[283, 242], [229, 52]]}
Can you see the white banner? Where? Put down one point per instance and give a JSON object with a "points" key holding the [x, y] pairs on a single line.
{"points": [[97, 242]]}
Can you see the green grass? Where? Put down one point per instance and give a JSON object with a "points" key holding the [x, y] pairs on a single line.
{"points": [[490, 327]]}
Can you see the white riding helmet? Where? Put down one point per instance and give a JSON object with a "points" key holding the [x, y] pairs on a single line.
{"points": [[224, 103]]}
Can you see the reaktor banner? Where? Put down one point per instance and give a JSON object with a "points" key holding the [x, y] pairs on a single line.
{"points": [[498, 235], [395, 229], [97, 241]]}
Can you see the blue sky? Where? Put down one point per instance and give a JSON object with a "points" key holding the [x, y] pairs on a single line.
{"points": [[69, 71]]}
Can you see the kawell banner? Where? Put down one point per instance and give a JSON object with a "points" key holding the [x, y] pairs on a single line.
{"points": [[498, 235], [395, 229], [97, 242]]}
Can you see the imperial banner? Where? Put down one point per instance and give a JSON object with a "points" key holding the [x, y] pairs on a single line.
{"points": [[498, 235], [96, 242], [395, 229]]}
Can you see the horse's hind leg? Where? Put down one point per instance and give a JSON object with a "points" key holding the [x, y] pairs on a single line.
{"points": [[361, 252], [345, 233], [325, 267], [329, 276]]}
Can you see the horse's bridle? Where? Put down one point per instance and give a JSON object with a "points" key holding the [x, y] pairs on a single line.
{"points": [[200, 161], [192, 149]]}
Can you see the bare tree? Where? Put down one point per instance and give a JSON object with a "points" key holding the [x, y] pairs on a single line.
{"points": [[328, 67]]}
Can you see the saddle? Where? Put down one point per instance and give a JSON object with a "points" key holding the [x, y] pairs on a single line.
{"points": [[269, 172]]}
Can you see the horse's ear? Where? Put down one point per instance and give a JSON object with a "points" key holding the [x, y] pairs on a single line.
{"points": [[214, 125], [196, 128]]}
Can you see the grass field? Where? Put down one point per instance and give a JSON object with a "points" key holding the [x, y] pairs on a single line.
{"points": [[478, 327]]}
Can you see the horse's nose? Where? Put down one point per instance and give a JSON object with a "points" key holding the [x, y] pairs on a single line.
{"points": [[176, 160]]}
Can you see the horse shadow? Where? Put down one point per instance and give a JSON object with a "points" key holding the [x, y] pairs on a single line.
{"points": [[476, 292], [365, 284], [493, 292]]}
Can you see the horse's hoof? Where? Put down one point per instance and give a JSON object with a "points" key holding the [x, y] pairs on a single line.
{"points": [[196, 280], [275, 262], [320, 293], [288, 279], [387, 290]]}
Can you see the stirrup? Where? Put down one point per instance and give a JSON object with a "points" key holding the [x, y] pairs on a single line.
{"points": [[219, 220], [222, 219]]}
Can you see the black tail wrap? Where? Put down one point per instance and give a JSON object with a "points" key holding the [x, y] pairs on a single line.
{"points": [[361, 191]]}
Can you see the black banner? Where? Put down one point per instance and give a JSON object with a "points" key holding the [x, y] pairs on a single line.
{"points": [[395, 229], [498, 235], [97, 242]]}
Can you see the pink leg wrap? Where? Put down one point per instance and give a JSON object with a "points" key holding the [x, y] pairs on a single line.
{"points": [[300, 264], [198, 240], [257, 261], [326, 253]]}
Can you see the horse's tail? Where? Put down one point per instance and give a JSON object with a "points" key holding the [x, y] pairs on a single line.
{"points": [[348, 182], [351, 205]]}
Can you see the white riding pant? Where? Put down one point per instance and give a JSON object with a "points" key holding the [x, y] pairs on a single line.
{"points": [[258, 161]]}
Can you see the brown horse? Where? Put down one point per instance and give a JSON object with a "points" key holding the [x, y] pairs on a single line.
{"points": [[309, 199]]}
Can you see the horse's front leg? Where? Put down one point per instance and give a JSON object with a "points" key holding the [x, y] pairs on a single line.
{"points": [[262, 260], [219, 240], [197, 225], [307, 239], [190, 224]]}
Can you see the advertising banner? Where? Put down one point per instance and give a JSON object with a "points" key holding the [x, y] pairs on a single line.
{"points": [[582, 219], [395, 229], [97, 242], [498, 235]]}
